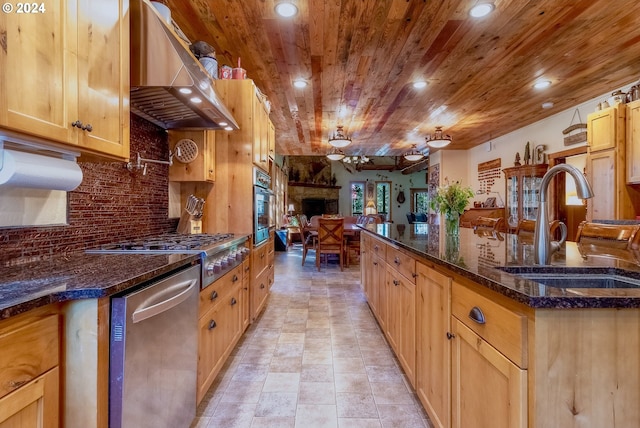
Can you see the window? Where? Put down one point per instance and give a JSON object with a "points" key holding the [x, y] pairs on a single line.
{"points": [[420, 200], [357, 198], [383, 198]]}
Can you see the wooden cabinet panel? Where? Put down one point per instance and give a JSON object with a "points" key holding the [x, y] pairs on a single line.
{"points": [[488, 390], [259, 293], [203, 167], [402, 262], [433, 348], [259, 260], [67, 76], [501, 327], [272, 139], [244, 294], [219, 290], [633, 142], [601, 173], [605, 128], [35, 405], [103, 76]]}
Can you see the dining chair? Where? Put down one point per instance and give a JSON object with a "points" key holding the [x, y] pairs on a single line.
{"points": [[330, 239], [309, 242]]}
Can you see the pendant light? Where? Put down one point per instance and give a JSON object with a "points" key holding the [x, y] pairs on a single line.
{"points": [[438, 139], [414, 154], [339, 139], [335, 154]]}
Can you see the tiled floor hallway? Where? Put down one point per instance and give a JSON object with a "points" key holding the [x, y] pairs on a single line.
{"points": [[315, 358]]}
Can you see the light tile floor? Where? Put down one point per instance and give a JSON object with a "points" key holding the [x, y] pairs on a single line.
{"points": [[315, 358]]}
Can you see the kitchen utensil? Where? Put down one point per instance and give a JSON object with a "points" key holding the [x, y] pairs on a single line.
{"points": [[184, 224]]}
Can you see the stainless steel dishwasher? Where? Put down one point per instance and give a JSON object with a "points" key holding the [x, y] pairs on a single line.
{"points": [[154, 352]]}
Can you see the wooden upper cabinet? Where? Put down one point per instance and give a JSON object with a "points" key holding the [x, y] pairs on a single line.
{"points": [[198, 145], [261, 128], [605, 128], [272, 139], [633, 142], [65, 75]]}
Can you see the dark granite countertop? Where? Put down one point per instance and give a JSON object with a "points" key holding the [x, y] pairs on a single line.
{"points": [[80, 276], [478, 257]]}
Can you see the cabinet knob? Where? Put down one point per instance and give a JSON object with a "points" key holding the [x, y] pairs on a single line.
{"points": [[212, 325], [450, 336], [477, 315], [396, 260], [261, 285], [76, 124], [87, 127], [235, 278], [396, 282], [414, 274], [214, 295], [233, 301]]}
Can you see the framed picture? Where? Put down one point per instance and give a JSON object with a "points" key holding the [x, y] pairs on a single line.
{"points": [[490, 203], [371, 189]]}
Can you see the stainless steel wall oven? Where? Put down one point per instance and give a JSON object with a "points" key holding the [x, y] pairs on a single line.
{"points": [[261, 209]]}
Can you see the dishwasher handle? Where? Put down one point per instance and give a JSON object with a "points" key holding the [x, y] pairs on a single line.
{"points": [[149, 308]]}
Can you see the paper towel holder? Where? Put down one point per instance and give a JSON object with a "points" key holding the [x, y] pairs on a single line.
{"points": [[32, 162]]}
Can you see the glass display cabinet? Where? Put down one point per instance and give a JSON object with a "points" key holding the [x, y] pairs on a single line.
{"points": [[522, 192]]}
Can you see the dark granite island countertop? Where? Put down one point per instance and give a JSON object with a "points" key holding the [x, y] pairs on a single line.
{"points": [[478, 258], [80, 276]]}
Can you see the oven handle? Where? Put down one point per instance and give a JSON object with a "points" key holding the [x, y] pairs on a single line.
{"points": [[149, 308]]}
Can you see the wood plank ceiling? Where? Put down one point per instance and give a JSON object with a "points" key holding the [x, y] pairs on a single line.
{"points": [[360, 58]]}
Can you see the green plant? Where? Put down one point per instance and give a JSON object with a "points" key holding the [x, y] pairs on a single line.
{"points": [[451, 198]]}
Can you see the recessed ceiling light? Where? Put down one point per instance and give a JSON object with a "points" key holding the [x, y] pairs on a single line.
{"points": [[300, 83], [222, 123], [420, 84], [542, 84], [547, 105], [482, 9], [184, 90], [196, 100], [286, 9], [228, 128]]}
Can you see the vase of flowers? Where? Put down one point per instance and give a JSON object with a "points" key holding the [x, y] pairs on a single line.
{"points": [[451, 200]]}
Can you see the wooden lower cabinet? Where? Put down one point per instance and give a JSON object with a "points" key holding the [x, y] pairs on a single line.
{"points": [[488, 390], [220, 326], [34, 405], [433, 347], [29, 374], [401, 320]]}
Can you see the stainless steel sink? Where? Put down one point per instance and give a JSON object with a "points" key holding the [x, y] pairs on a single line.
{"points": [[573, 277]]}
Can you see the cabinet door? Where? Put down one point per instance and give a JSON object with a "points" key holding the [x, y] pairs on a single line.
{"points": [[272, 139], [605, 128], [407, 333], [211, 338], [601, 173], [488, 390], [260, 135], [433, 365], [512, 201], [103, 76], [244, 294], [34, 405], [38, 83], [393, 299], [633, 142], [202, 167]]}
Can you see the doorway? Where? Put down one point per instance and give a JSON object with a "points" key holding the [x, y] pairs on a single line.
{"points": [[566, 206]]}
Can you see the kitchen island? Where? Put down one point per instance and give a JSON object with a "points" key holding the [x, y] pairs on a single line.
{"points": [[484, 347]]}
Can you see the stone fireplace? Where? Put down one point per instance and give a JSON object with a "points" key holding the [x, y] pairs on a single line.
{"points": [[313, 199]]}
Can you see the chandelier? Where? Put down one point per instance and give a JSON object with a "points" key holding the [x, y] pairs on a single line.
{"points": [[413, 154], [335, 154], [339, 139], [438, 139], [356, 160]]}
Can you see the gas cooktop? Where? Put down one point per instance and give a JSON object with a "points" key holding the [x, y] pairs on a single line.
{"points": [[172, 243]]}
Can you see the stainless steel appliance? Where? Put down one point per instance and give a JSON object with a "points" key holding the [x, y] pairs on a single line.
{"points": [[154, 353], [154, 331], [219, 253], [261, 206]]}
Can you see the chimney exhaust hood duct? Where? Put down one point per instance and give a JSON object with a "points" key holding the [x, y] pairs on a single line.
{"points": [[169, 87]]}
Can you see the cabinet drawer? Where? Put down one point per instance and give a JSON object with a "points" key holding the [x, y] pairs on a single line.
{"points": [[365, 240], [259, 259], [246, 269], [28, 350], [211, 295], [402, 262], [504, 329], [378, 248]]}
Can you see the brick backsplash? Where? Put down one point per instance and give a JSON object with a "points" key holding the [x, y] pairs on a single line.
{"points": [[111, 204]]}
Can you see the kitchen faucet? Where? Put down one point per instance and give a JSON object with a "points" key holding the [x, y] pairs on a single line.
{"points": [[544, 247]]}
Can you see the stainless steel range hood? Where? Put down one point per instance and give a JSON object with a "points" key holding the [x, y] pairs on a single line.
{"points": [[169, 87]]}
